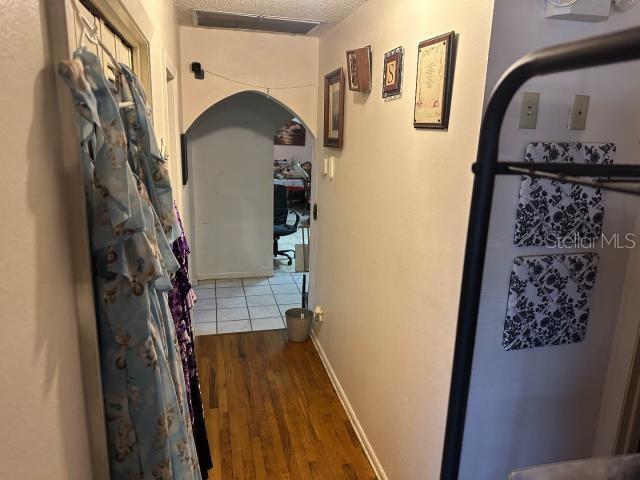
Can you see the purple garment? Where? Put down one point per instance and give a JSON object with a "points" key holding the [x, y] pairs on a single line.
{"points": [[181, 300], [180, 304]]}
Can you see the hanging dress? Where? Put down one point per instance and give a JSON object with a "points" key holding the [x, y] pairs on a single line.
{"points": [[148, 428], [148, 158], [181, 301]]}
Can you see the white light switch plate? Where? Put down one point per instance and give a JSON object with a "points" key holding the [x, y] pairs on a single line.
{"points": [[579, 112], [529, 110]]}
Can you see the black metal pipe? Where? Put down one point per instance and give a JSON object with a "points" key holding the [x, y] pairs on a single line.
{"points": [[603, 184], [569, 169], [304, 290], [602, 50]]}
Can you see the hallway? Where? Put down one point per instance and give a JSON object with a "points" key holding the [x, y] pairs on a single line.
{"points": [[459, 201], [272, 413]]}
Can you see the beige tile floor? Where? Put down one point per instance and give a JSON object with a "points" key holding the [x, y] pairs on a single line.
{"points": [[245, 305]]}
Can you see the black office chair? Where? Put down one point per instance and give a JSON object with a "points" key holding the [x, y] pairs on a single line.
{"points": [[280, 226]]}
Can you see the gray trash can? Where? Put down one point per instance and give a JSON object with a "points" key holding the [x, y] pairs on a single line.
{"points": [[299, 324]]}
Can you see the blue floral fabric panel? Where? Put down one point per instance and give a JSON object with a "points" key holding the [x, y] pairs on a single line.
{"points": [[146, 157], [550, 211], [549, 300], [149, 432]]}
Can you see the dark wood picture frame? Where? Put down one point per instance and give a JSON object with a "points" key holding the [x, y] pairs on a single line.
{"points": [[394, 88], [450, 39], [359, 69], [330, 79]]}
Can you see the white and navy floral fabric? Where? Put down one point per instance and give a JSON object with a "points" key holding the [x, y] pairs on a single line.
{"points": [[551, 211], [549, 300], [147, 417]]}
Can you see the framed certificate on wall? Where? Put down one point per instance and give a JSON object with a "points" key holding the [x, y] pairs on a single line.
{"points": [[434, 82]]}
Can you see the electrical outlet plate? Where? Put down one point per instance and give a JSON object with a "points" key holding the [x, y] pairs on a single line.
{"points": [[623, 5], [579, 112], [529, 110]]}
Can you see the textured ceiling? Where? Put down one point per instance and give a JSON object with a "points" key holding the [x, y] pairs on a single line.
{"points": [[326, 11]]}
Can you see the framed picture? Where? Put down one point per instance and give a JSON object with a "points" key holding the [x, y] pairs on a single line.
{"points": [[392, 73], [434, 82], [333, 108], [359, 69], [292, 133]]}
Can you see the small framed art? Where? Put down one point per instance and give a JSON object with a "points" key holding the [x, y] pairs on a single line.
{"points": [[291, 133], [333, 108], [434, 82], [392, 73], [359, 69]]}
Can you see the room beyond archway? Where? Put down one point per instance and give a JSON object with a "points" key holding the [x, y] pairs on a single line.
{"points": [[236, 171]]}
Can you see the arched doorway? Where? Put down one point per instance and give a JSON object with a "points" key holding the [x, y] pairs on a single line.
{"points": [[231, 171]]}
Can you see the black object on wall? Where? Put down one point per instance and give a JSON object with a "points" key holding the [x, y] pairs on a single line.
{"points": [[591, 52], [197, 70], [185, 161]]}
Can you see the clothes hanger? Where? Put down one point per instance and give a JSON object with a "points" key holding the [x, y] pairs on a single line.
{"points": [[91, 35], [88, 32]]}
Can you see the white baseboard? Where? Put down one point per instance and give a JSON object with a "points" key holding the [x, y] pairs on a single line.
{"points": [[368, 450], [222, 276]]}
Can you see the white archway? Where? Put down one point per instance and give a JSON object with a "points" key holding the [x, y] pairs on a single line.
{"points": [[230, 151], [306, 124]]}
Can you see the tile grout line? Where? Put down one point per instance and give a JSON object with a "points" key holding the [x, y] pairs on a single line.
{"points": [[276, 300], [279, 315], [247, 305], [216, 295]]}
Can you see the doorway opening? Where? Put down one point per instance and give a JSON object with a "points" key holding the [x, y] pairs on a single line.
{"points": [[293, 158], [251, 161]]}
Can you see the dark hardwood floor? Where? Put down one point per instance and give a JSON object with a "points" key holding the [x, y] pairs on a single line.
{"points": [[272, 413]]}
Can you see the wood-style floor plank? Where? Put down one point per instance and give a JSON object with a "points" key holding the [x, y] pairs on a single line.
{"points": [[271, 411]]}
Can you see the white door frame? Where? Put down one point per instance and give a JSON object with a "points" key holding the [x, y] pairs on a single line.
{"points": [[131, 20], [171, 135]]}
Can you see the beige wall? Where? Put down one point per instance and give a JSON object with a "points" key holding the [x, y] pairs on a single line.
{"points": [[259, 58], [41, 405], [391, 231]]}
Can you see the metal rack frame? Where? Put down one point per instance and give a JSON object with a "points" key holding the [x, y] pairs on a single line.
{"points": [[602, 50]]}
